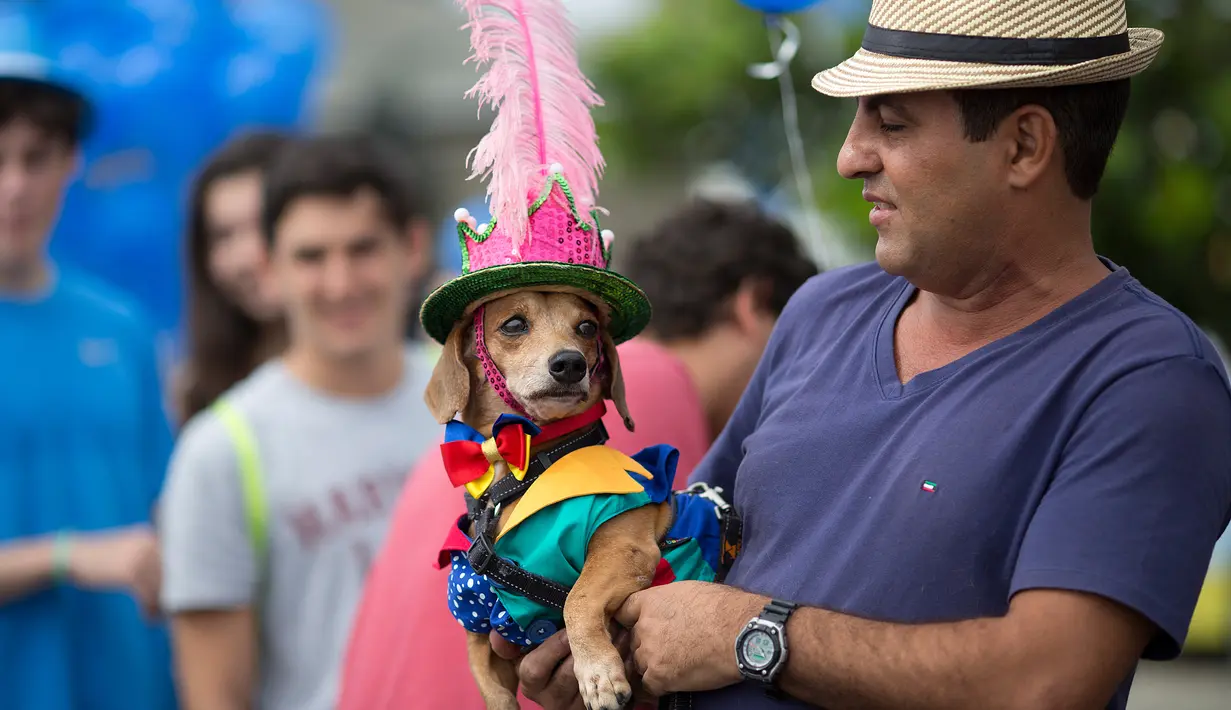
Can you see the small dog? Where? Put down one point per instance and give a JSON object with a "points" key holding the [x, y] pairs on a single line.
{"points": [[548, 345]]}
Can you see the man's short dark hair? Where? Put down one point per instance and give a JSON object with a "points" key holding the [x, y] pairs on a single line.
{"points": [[693, 262], [61, 114], [1088, 119], [334, 166]]}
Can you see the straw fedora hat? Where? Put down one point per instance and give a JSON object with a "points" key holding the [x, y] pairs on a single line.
{"points": [[925, 45]]}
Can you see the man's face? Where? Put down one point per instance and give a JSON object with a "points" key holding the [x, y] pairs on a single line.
{"points": [[34, 171], [344, 275], [935, 194]]}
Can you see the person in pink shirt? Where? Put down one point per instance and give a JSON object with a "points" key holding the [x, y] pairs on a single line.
{"points": [[718, 275]]}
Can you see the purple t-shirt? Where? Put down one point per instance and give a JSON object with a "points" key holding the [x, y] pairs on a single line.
{"points": [[1089, 451]]}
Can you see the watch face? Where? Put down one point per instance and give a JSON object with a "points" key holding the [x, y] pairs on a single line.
{"points": [[758, 650]]}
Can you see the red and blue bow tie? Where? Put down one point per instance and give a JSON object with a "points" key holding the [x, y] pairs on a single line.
{"points": [[470, 458]]}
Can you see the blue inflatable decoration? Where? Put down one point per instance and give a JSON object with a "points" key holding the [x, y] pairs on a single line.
{"points": [[171, 80], [267, 77], [779, 7]]}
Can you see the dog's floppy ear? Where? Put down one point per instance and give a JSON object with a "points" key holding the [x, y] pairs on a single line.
{"points": [[614, 387], [449, 389]]}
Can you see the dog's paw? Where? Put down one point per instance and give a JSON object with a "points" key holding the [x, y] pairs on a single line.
{"points": [[503, 701], [603, 685]]}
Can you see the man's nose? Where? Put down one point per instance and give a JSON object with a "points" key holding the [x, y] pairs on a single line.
{"points": [[339, 277], [858, 159], [567, 367], [14, 182]]}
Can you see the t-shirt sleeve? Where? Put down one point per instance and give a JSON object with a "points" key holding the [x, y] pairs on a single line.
{"points": [[721, 462], [208, 562], [1142, 494], [156, 425]]}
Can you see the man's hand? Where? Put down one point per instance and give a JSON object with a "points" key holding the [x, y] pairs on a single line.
{"points": [[546, 673], [126, 559], [683, 634]]}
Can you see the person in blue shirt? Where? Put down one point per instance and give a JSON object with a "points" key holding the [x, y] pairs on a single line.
{"points": [[84, 443], [989, 469]]}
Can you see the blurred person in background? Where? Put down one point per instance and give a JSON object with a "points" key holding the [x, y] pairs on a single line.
{"points": [[987, 470], [717, 275], [84, 441], [279, 495], [234, 320]]}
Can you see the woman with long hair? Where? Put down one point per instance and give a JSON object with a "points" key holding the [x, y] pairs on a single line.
{"points": [[234, 322]]}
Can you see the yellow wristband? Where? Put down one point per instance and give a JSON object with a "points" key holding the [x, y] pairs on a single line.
{"points": [[61, 548]]}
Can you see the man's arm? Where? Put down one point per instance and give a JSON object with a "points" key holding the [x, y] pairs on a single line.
{"points": [[210, 571], [1109, 570], [25, 566], [1054, 649], [120, 559], [215, 658]]}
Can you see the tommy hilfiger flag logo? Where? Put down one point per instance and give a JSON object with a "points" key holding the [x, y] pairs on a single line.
{"points": [[928, 487]]}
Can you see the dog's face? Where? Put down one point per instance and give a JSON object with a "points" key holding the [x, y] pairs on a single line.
{"points": [[546, 344]]}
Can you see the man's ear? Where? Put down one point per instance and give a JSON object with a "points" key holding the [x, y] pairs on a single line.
{"points": [[1034, 145], [449, 389], [614, 386]]}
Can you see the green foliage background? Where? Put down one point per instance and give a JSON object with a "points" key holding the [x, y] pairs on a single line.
{"points": [[678, 94]]}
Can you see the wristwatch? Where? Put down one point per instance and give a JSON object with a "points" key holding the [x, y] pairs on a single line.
{"points": [[761, 649]]}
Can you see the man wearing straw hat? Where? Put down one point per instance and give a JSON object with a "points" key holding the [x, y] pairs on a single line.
{"points": [[988, 470]]}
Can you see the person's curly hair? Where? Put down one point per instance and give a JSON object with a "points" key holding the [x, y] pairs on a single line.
{"points": [[692, 263]]}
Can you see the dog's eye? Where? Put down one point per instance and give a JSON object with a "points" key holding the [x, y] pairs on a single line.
{"points": [[515, 326], [587, 329]]}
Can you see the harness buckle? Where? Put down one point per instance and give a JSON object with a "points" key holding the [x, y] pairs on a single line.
{"points": [[713, 494], [481, 554]]}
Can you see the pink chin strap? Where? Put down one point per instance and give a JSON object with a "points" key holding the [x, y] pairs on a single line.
{"points": [[493, 374]]}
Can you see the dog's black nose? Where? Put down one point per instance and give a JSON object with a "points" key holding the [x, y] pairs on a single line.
{"points": [[567, 367]]}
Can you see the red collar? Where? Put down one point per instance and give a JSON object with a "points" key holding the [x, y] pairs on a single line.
{"points": [[564, 427]]}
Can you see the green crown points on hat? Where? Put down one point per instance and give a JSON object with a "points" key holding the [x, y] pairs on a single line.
{"points": [[543, 161], [564, 249]]}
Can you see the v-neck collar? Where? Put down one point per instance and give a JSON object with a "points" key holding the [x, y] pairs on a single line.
{"points": [[890, 383]]}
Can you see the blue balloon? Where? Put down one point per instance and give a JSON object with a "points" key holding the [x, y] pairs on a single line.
{"points": [[266, 77], [146, 68], [170, 80], [778, 7]]}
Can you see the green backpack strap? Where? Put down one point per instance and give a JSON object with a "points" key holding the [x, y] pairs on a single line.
{"points": [[250, 479]]}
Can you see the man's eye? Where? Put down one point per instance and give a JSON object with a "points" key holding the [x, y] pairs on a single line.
{"points": [[515, 326], [891, 127], [587, 329]]}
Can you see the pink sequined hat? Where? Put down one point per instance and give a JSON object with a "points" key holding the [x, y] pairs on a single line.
{"points": [[543, 160]]}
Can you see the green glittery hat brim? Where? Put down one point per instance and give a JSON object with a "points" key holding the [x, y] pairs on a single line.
{"points": [[628, 306]]}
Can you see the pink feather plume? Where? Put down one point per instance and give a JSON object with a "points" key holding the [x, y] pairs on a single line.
{"points": [[542, 103]]}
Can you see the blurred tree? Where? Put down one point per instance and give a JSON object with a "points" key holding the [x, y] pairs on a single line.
{"points": [[678, 94]]}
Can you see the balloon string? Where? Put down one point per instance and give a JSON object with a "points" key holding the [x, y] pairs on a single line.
{"points": [[784, 48]]}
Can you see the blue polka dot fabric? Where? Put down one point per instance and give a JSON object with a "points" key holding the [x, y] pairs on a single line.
{"points": [[473, 601]]}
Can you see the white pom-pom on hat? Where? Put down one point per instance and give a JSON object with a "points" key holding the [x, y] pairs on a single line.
{"points": [[556, 169], [482, 228], [608, 236], [461, 214]]}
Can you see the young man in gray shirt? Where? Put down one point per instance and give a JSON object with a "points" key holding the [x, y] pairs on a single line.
{"points": [[279, 496]]}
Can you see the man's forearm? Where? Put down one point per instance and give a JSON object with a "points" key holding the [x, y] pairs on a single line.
{"points": [[25, 566], [215, 659], [839, 661]]}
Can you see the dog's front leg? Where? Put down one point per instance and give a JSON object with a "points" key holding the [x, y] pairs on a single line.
{"points": [[620, 560], [496, 677]]}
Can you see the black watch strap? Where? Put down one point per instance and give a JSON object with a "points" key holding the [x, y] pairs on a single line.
{"points": [[778, 611]]}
